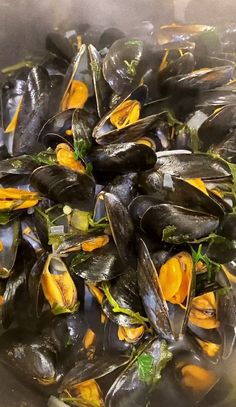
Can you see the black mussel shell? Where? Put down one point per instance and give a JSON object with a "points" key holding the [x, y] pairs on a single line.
{"points": [[65, 186], [177, 191], [140, 205], [34, 284], [109, 36], [122, 158], [83, 123], [24, 164], [105, 133], [11, 93], [33, 112], [103, 265], [73, 243], [124, 187], [227, 149], [180, 66], [214, 130], [54, 130], [222, 251], [152, 297], [60, 45], [101, 87], [111, 341], [200, 80], [228, 226], [130, 388], [122, 228], [9, 236], [68, 330], [187, 224], [15, 300], [125, 292], [33, 358], [209, 335], [101, 367], [201, 166], [117, 65]]}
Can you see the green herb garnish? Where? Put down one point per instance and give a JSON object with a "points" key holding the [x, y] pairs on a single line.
{"points": [[81, 148], [131, 67], [96, 69], [150, 369], [136, 317], [47, 157]]}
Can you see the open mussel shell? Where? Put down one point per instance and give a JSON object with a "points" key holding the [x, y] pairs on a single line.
{"points": [[214, 130], [65, 186], [202, 166], [151, 294], [74, 243], [105, 133], [177, 191], [78, 70], [132, 387], [95, 371], [122, 158], [168, 319], [182, 32], [189, 369], [103, 265], [187, 224], [55, 130], [122, 228], [101, 87], [200, 80], [9, 237], [126, 62], [82, 126], [33, 112], [180, 66], [125, 292], [22, 165], [111, 341]]}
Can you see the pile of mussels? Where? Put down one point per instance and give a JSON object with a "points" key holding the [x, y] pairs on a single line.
{"points": [[117, 218]]}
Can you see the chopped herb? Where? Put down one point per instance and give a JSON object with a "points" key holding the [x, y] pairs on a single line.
{"points": [[146, 367], [101, 223], [150, 369], [68, 341], [224, 291], [4, 218], [97, 69], [168, 232], [131, 67], [136, 317], [58, 309], [165, 357], [17, 164], [81, 148], [134, 42], [47, 157], [89, 169], [212, 267]]}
